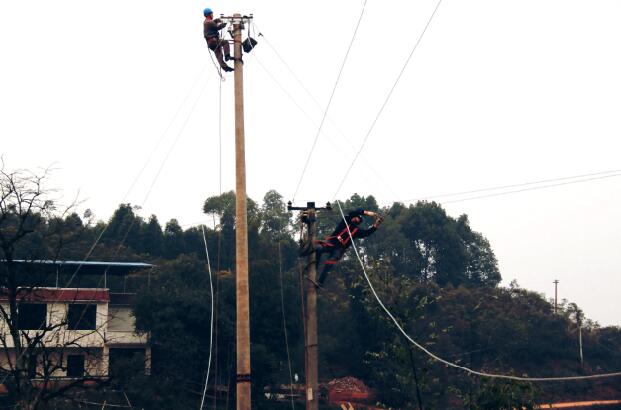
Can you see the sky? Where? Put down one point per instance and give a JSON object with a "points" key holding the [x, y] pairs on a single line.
{"points": [[122, 99]]}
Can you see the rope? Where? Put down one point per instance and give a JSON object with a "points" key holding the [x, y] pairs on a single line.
{"points": [[392, 89], [211, 332], [454, 365], [284, 323], [325, 113]]}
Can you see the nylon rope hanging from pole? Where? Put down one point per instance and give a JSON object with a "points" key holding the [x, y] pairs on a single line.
{"points": [[211, 324]]}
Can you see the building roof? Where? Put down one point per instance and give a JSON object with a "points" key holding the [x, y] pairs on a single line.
{"points": [[73, 295], [86, 267]]}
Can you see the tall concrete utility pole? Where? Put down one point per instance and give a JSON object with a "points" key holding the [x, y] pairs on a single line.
{"points": [[241, 227], [309, 216]]}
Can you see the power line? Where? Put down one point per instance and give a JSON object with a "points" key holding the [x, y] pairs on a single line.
{"points": [[368, 164], [496, 188], [531, 189], [407, 61], [446, 362], [325, 113]]}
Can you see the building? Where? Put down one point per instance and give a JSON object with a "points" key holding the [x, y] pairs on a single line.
{"points": [[81, 312]]}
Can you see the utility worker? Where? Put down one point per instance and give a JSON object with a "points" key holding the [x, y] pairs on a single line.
{"points": [[211, 31], [335, 245]]}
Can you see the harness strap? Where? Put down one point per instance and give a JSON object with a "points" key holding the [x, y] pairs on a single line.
{"points": [[343, 240]]}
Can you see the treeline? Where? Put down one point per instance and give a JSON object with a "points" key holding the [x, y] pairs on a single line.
{"points": [[438, 276]]}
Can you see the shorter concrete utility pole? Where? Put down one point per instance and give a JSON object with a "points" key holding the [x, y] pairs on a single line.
{"points": [[309, 217]]}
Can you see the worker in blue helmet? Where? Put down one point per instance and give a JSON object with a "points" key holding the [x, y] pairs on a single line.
{"points": [[211, 31]]}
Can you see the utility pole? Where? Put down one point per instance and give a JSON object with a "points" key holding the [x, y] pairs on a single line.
{"points": [[579, 322], [309, 217], [241, 224], [555, 296]]}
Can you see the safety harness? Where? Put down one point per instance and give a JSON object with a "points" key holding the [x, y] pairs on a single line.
{"points": [[343, 237]]}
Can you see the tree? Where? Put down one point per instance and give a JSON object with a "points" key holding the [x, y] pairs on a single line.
{"points": [[153, 237], [30, 219]]}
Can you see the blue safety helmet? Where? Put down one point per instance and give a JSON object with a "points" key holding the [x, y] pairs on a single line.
{"points": [[207, 12]]}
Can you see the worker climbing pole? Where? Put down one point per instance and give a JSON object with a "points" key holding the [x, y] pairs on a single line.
{"points": [[333, 248], [335, 245], [219, 45], [308, 217]]}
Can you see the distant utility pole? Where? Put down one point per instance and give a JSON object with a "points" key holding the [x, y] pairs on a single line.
{"points": [[241, 223], [579, 323], [309, 217], [555, 296]]}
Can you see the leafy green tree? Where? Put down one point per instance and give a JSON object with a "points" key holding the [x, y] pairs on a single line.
{"points": [[174, 245], [153, 237]]}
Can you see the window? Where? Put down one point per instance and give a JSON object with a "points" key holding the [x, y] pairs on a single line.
{"points": [[75, 365], [127, 361], [31, 316], [82, 317], [32, 366]]}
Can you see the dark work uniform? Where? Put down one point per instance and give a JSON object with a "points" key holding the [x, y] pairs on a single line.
{"points": [[335, 245], [211, 31]]}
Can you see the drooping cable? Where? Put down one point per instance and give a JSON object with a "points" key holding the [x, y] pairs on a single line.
{"points": [[284, 324], [211, 325], [446, 362], [325, 113], [392, 89]]}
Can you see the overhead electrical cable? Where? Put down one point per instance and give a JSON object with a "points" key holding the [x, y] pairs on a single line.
{"points": [[497, 188], [368, 164], [325, 113], [532, 188], [392, 89], [446, 362]]}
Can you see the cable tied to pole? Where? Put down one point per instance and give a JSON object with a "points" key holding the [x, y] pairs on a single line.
{"points": [[446, 362]]}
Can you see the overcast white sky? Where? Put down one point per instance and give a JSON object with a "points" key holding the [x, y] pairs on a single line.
{"points": [[498, 93]]}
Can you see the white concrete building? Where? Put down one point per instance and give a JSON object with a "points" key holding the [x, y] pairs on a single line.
{"points": [[89, 329]]}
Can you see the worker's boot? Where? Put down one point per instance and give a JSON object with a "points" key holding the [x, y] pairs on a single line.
{"points": [[226, 68], [228, 57]]}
